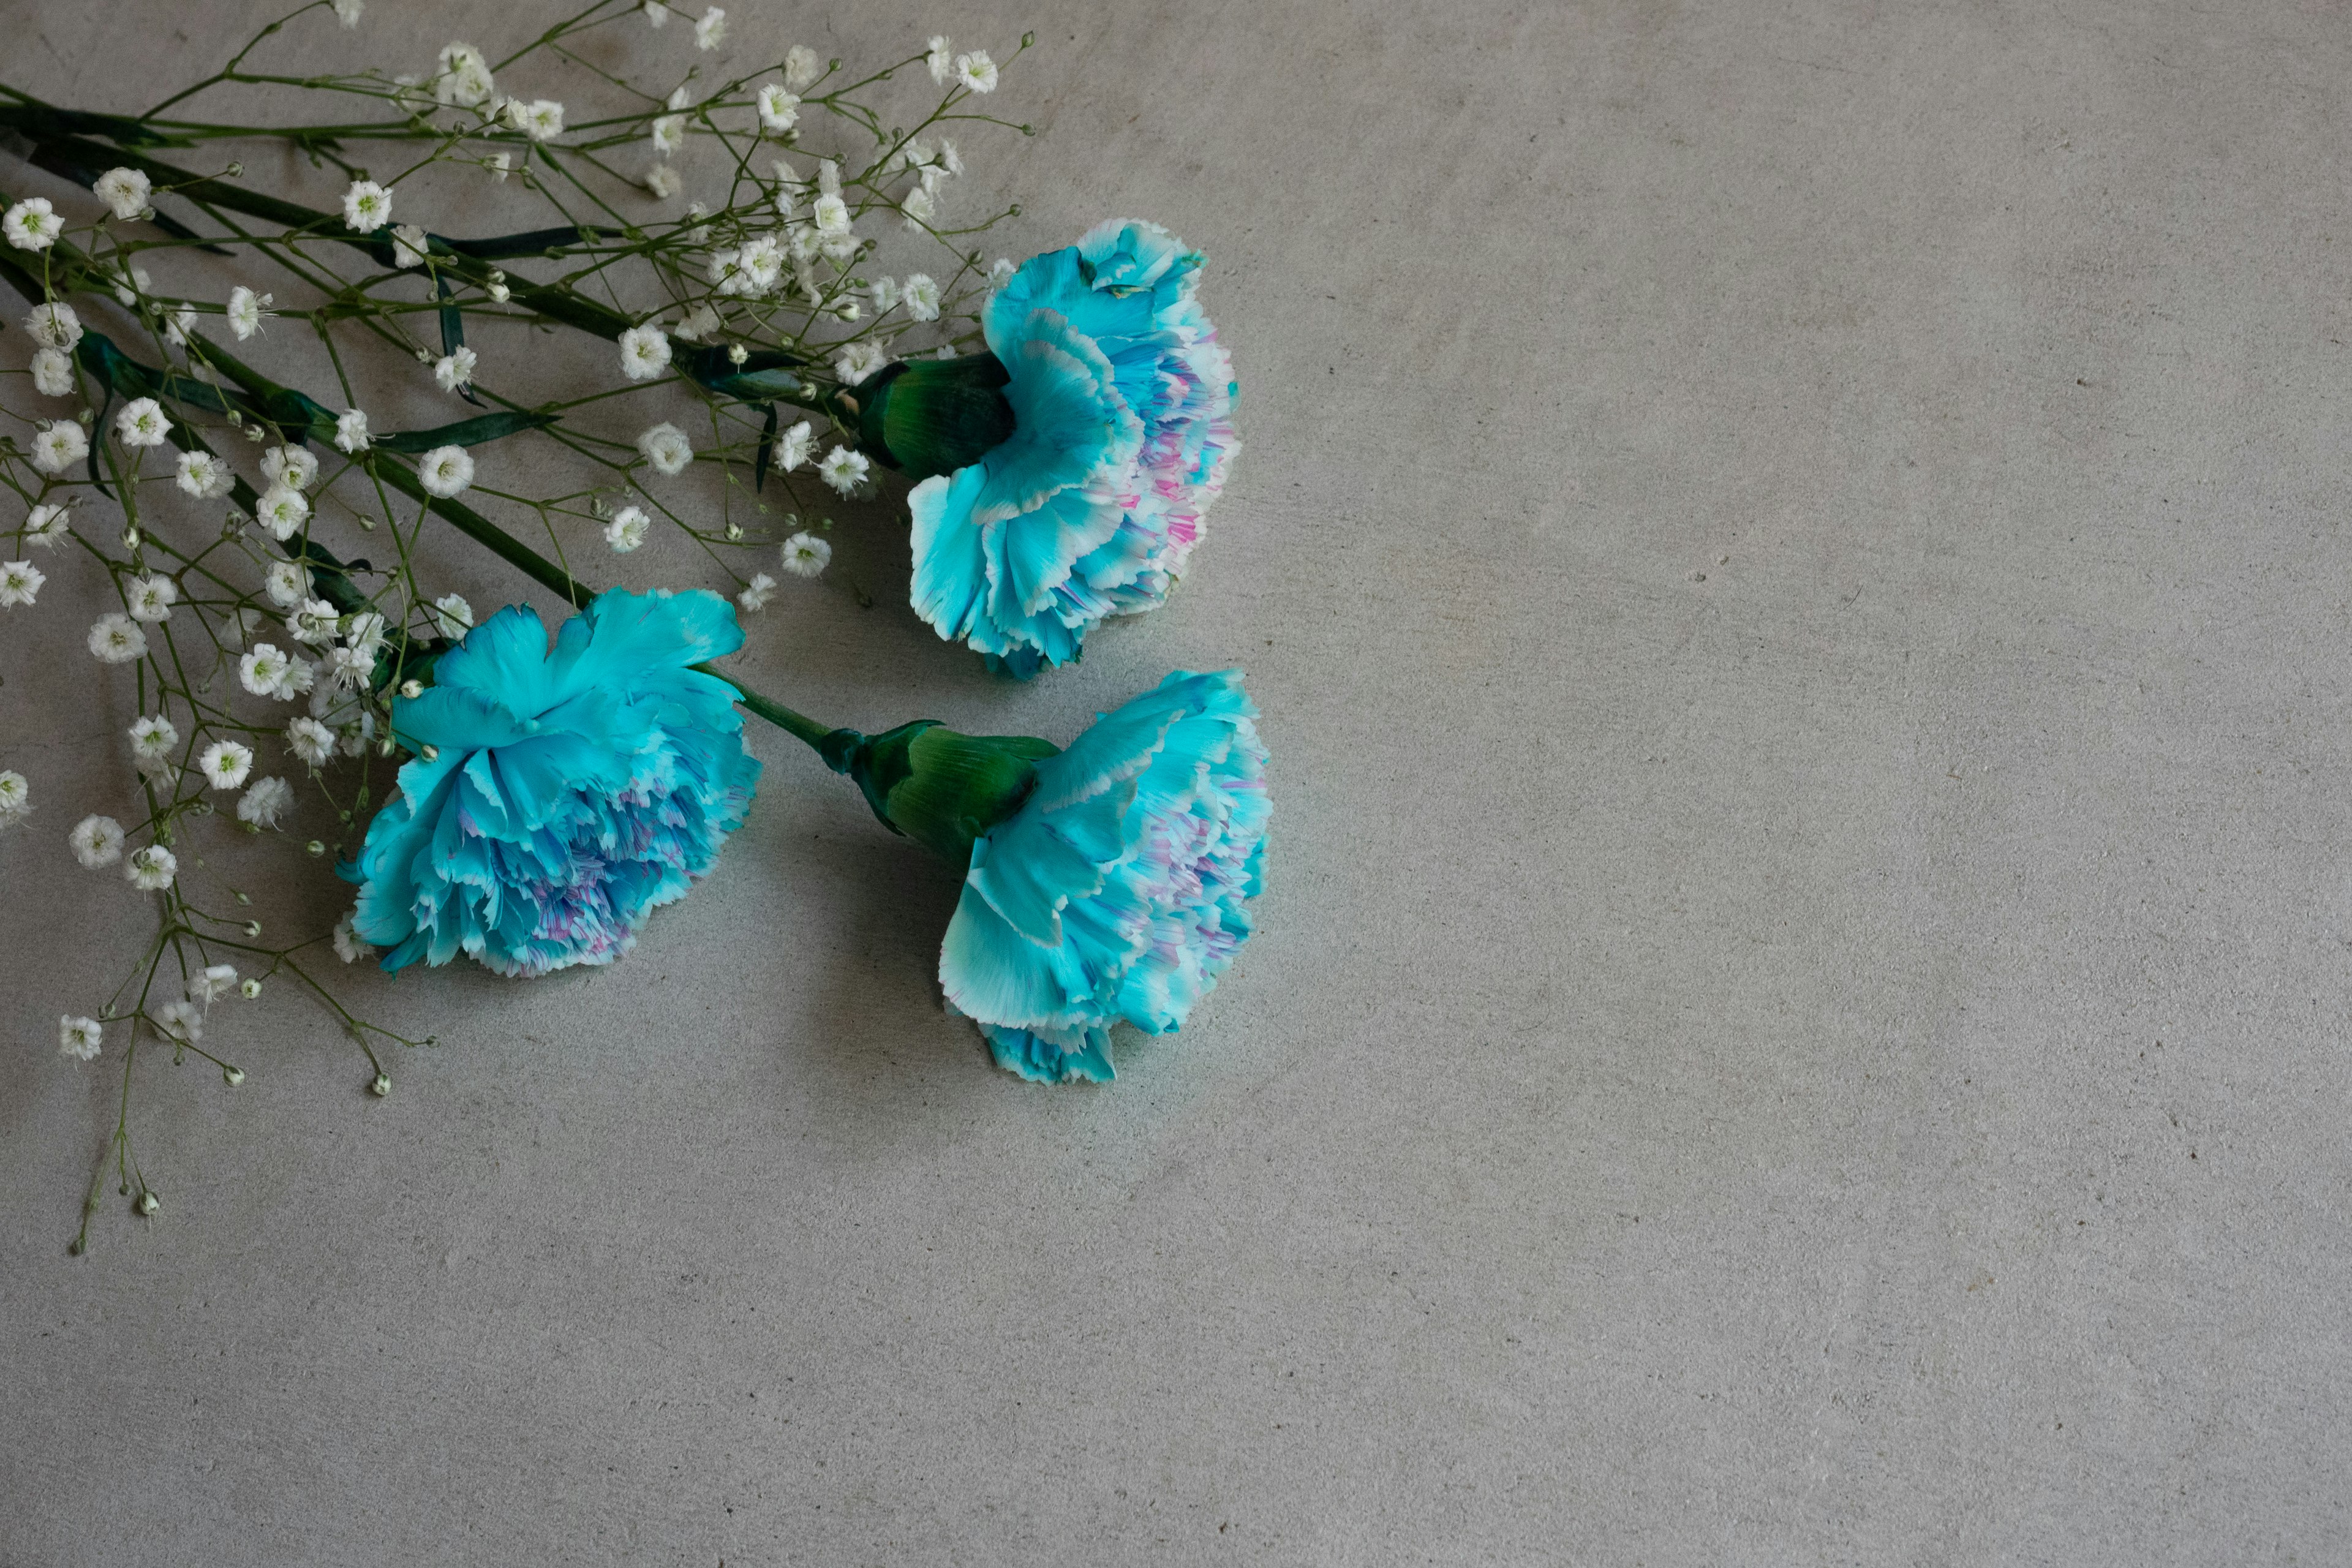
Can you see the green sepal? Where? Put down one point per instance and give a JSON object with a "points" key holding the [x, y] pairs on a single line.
{"points": [[933, 416], [764, 377], [940, 787]]}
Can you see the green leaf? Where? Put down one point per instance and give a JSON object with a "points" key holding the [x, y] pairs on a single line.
{"points": [[767, 452], [464, 433], [453, 330]]}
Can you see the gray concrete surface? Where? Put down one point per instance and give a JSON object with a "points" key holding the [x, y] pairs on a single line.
{"points": [[1792, 557]]}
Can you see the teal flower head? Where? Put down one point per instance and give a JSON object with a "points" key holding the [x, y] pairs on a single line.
{"points": [[1065, 473], [558, 795], [1109, 881]]}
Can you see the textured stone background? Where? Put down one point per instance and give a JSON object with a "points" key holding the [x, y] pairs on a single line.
{"points": [[1791, 556]]}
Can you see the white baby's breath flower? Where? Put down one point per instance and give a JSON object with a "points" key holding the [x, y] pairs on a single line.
{"points": [[456, 368], [141, 423], [151, 869], [802, 67], [695, 323], [976, 72], [153, 738], [807, 555], [182, 1021], [452, 616], [225, 764], [126, 192], [884, 293], [117, 638], [843, 470], [627, 530], [645, 352], [283, 510], [212, 983], [410, 246], [351, 431], [262, 670], [831, 214], [179, 324], [920, 295], [245, 308], [47, 523], [348, 946], [20, 582], [286, 583], [666, 448], [347, 11], [314, 622], [53, 374], [779, 109], [32, 224], [59, 447], [668, 133], [941, 57], [541, 119], [1000, 272], [655, 13], [793, 445], [15, 798], [367, 206], [53, 325], [860, 360], [97, 841], [204, 476], [150, 598], [662, 182], [310, 740], [710, 31], [79, 1038], [291, 465], [951, 159], [264, 802], [463, 80], [757, 593], [918, 206], [445, 471]]}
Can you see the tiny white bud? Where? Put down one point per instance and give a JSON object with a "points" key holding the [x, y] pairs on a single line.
{"points": [[233, 1075], [250, 989], [381, 1086], [412, 689], [149, 1202]]}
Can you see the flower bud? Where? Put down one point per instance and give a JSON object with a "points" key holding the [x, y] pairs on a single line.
{"points": [[149, 1202], [315, 848], [429, 751], [937, 786], [232, 1076], [412, 690], [381, 1085], [250, 989]]}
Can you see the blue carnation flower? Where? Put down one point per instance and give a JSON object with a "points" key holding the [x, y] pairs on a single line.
{"points": [[1119, 887], [558, 795], [1086, 498]]}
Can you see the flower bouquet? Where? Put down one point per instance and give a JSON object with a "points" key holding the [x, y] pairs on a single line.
{"points": [[525, 798]]}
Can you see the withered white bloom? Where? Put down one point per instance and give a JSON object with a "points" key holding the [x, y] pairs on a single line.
{"points": [[941, 57], [348, 946], [807, 555], [150, 598], [151, 869], [53, 374], [182, 1021], [951, 159], [212, 983], [841, 248], [117, 638], [179, 324], [456, 368], [662, 182], [245, 308], [445, 471], [264, 803], [668, 133], [410, 246], [351, 431], [843, 470], [918, 206], [262, 670], [286, 583], [15, 798], [710, 31], [59, 447], [153, 738], [779, 109], [831, 214], [860, 360], [293, 466], [79, 1038], [347, 11], [655, 12], [802, 67], [283, 509], [20, 582], [235, 627], [696, 322], [224, 763], [97, 841], [367, 206], [828, 177], [126, 192], [976, 72], [205, 477], [645, 352], [452, 616], [314, 622], [541, 119], [47, 524], [883, 292], [666, 448], [310, 740], [793, 445], [141, 423], [1000, 272], [128, 286], [920, 295], [54, 326], [757, 593], [464, 76], [32, 224], [626, 531]]}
